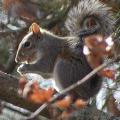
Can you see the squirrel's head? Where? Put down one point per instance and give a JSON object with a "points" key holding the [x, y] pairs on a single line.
{"points": [[90, 14], [39, 44], [28, 48], [98, 45]]}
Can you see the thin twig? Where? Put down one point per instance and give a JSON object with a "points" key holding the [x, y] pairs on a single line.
{"points": [[73, 86], [19, 110], [15, 108]]}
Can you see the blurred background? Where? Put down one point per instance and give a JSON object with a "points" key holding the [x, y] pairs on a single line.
{"points": [[15, 18]]}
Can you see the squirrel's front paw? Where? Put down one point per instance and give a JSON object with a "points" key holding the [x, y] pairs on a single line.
{"points": [[22, 69]]}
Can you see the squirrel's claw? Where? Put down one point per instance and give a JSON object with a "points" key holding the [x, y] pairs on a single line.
{"points": [[21, 69]]}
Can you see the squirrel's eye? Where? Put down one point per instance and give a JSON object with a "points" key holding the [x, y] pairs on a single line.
{"points": [[27, 44]]}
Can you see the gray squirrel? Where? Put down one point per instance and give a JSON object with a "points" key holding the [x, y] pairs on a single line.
{"points": [[62, 57], [56, 55]]}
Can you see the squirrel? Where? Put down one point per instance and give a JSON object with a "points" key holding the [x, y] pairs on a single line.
{"points": [[21, 9], [63, 57], [42, 51]]}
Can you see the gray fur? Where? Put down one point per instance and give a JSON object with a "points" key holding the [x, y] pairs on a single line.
{"points": [[85, 8]]}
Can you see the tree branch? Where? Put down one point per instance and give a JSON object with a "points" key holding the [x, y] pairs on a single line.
{"points": [[15, 109]]}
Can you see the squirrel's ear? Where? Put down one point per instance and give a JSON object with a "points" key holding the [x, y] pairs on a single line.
{"points": [[35, 28]]}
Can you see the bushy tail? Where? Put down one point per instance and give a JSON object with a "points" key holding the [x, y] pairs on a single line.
{"points": [[89, 8]]}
